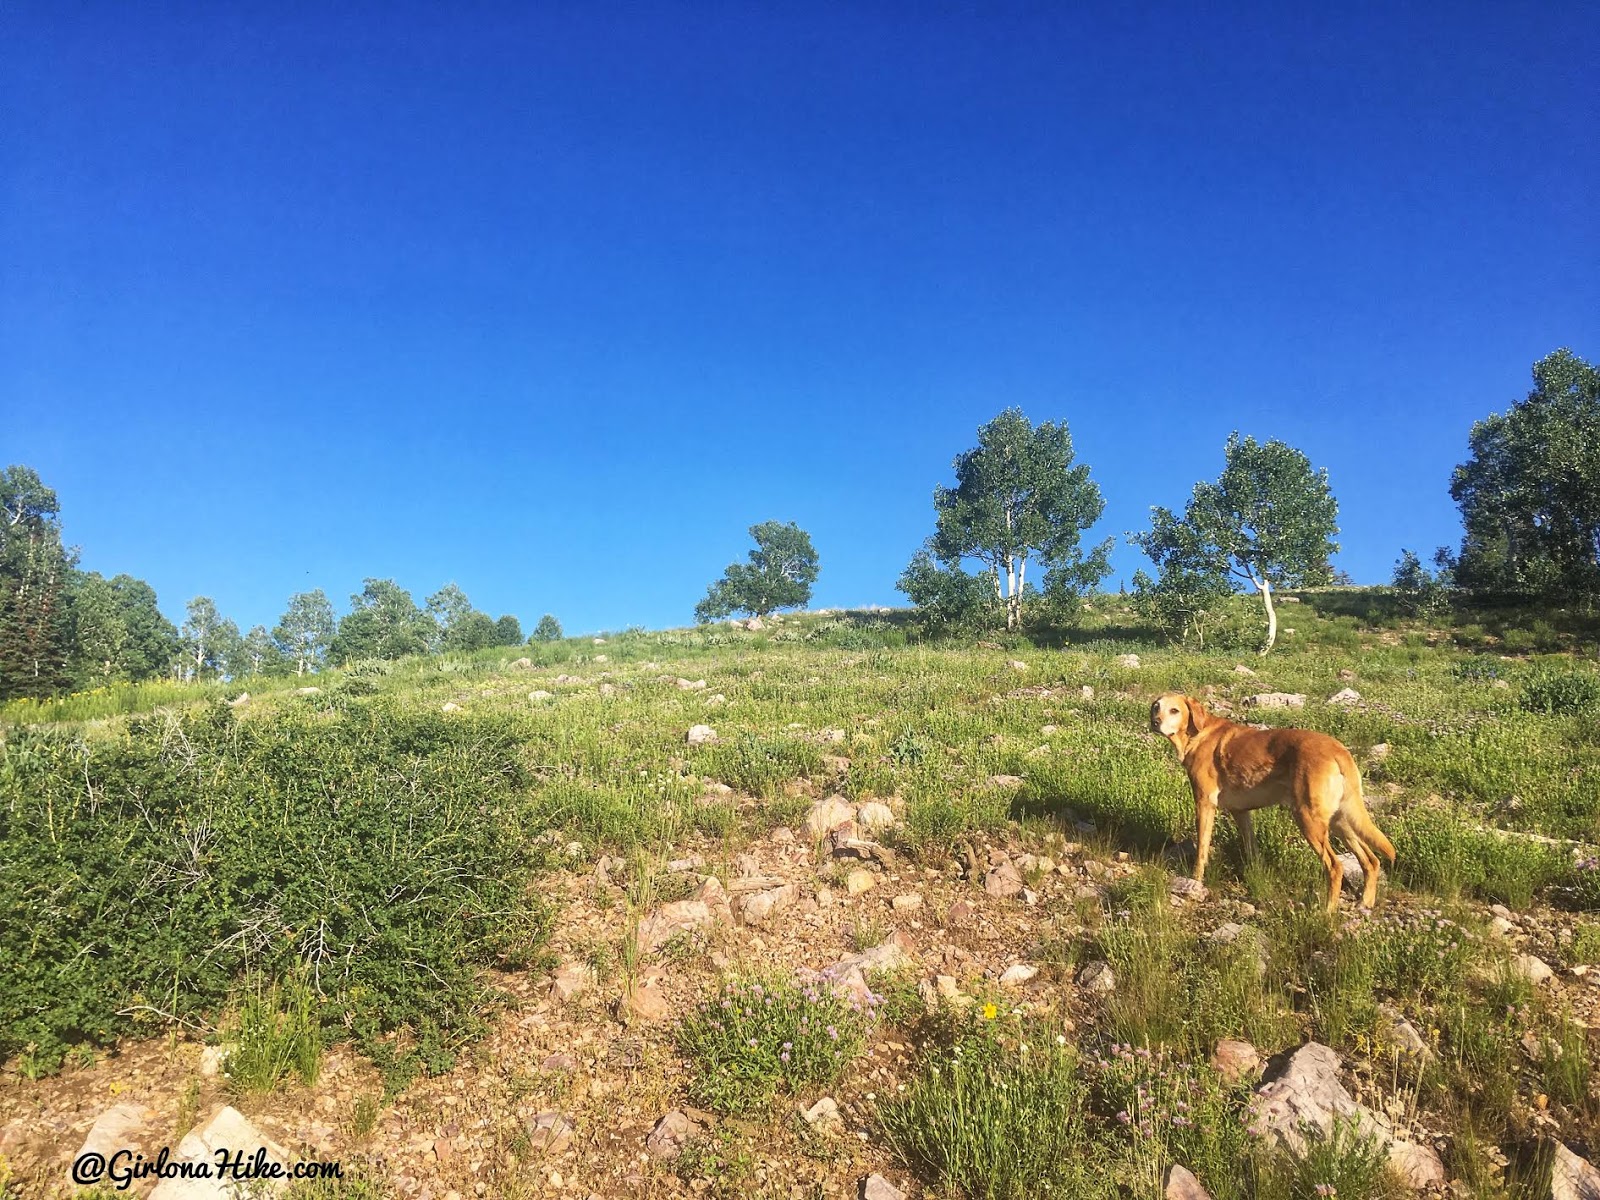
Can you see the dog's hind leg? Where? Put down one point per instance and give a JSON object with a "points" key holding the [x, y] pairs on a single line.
{"points": [[1316, 832], [1247, 834], [1369, 861]]}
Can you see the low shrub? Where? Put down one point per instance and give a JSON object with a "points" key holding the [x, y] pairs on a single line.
{"points": [[1560, 691], [756, 1037]]}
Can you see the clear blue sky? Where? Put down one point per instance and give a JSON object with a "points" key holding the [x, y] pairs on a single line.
{"points": [[555, 300]]}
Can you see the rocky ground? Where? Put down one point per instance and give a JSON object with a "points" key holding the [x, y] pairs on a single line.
{"points": [[580, 1089]]}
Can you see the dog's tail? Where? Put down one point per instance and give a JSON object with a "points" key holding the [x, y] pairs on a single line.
{"points": [[1354, 810]]}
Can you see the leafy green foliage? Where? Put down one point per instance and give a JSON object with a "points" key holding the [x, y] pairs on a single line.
{"points": [[947, 598], [755, 1037], [1269, 521], [374, 848], [781, 570], [1017, 497], [305, 630], [35, 571], [993, 1121], [1561, 692], [1529, 493], [278, 1032], [547, 630], [383, 622]]}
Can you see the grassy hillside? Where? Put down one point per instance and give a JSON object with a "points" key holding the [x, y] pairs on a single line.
{"points": [[398, 849]]}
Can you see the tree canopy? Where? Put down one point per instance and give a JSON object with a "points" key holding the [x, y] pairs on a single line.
{"points": [[1018, 497], [779, 574], [1269, 520], [383, 622], [1529, 493]]}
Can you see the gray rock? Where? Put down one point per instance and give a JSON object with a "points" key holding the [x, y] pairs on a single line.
{"points": [[1241, 669], [1572, 1177], [876, 1187], [827, 815], [1345, 698], [1534, 970], [118, 1128], [570, 981], [1128, 662], [823, 1116], [1354, 877], [1235, 1060], [681, 916], [1017, 975], [1227, 933], [875, 816], [757, 907], [672, 1132], [1180, 1184], [229, 1131], [1185, 888], [700, 735], [550, 1132], [538, 695], [1003, 881], [1098, 977], [1275, 700], [1404, 1034]]}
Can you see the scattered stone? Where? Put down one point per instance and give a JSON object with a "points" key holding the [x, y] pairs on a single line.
{"points": [[1241, 669], [307, 691], [1354, 876], [910, 902], [550, 1132], [1345, 698], [647, 1002], [540, 694], [1086, 692], [228, 1131], [570, 981], [679, 865], [842, 844], [824, 896], [875, 816], [1047, 730], [1016, 664], [876, 1187], [691, 685], [1017, 975], [672, 1132], [827, 815], [859, 881], [1573, 1178], [1180, 1184], [1534, 970], [1501, 926], [700, 735], [1098, 977], [824, 1117], [681, 916], [1379, 753], [1184, 888], [1404, 1034], [1226, 933], [522, 664], [1235, 1060], [558, 1064], [1005, 781], [608, 689], [1419, 1165], [1128, 662], [960, 912], [241, 698], [118, 1128], [1275, 700], [450, 706], [755, 624], [1003, 881], [757, 907]]}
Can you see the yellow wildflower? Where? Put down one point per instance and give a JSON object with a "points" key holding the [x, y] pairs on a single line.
{"points": [[990, 1011]]}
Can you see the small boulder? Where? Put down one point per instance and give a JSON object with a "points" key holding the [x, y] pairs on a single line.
{"points": [[1275, 700], [1235, 1060], [1180, 1184], [1005, 781], [1241, 669], [1087, 693], [827, 815], [875, 816], [570, 981], [859, 881], [1379, 753], [909, 902], [1184, 888], [228, 1131], [549, 1132], [1534, 970], [1345, 698], [1017, 975], [450, 706], [1003, 881], [241, 698], [824, 1116], [700, 735], [691, 685], [681, 916], [756, 907], [876, 1187], [646, 1002], [1098, 977], [539, 695], [672, 1132], [118, 1128], [1128, 662], [1572, 1177], [522, 664], [1016, 664]]}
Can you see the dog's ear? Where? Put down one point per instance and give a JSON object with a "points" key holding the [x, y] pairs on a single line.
{"points": [[1199, 717]]}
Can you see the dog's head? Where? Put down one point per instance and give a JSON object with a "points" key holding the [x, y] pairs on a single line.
{"points": [[1176, 714]]}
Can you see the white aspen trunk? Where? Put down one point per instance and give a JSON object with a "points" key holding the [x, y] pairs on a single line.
{"points": [[1265, 588]]}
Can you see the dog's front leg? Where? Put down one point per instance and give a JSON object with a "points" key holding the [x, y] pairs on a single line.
{"points": [[1205, 813], [1247, 834]]}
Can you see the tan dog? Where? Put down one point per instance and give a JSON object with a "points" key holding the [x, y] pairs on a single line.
{"points": [[1239, 769]]}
